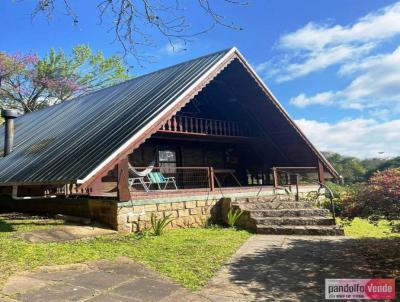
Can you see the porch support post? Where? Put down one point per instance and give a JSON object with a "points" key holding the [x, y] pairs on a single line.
{"points": [[321, 177], [275, 176], [211, 178], [123, 174], [297, 187]]}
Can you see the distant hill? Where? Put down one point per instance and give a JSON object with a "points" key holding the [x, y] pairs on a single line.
{"points": [[391, 163], [354, 169]]}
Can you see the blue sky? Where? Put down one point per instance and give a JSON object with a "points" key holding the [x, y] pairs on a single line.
{"points": [[334, 65]]}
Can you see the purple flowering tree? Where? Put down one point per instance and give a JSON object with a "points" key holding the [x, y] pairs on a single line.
{"points": [[29, 83]]}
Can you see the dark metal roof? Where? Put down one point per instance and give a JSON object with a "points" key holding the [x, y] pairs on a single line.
{"points": [[66, 142]]}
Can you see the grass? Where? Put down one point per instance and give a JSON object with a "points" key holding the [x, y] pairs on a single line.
{"points": [[189, 256], [359, 228], [378, 244]]}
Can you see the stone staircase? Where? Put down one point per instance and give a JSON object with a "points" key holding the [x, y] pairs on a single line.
{"points": [[284, 216]]}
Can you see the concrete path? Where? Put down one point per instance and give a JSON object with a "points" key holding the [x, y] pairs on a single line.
{"points": [[285, 268], [265, 268]]}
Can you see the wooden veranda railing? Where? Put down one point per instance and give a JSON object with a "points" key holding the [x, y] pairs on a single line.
{"points": [[194, 125]]}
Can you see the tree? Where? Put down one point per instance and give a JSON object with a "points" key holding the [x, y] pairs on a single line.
{"points": [[391, 163], [350, 168], [136, 23], [29, 83]]}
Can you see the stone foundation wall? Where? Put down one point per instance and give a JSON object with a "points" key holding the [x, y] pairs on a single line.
{"points": [[134, 218]]}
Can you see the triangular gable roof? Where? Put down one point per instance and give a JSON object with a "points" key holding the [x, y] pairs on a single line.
{"points": [[77, 140]]}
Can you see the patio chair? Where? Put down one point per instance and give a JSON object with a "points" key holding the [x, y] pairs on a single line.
{"points": [[157, 178], [139, 180]]}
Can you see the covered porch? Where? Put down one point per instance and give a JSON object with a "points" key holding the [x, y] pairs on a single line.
{"points": [[200, 156]]}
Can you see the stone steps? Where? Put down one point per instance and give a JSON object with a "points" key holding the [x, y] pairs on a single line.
{"points": [[264, 199], [282, 215], [277, 205], [311, 220], [318, 230], [308, 212]]}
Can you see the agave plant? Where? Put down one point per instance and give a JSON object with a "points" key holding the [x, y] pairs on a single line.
{"points": [[158, 225], [233, 216]]}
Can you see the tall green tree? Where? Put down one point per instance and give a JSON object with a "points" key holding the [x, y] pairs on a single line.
{"points": [[355, 170], [350, 168], [29, 83], [391, 163]]}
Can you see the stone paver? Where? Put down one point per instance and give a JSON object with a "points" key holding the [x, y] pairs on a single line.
{"points": [[265, 268], [121, 280], [65, 233], [285, 268]]}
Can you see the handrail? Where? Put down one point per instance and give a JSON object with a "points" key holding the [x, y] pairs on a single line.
{"points": [[321, 185], [206, 126], [331, 196]]}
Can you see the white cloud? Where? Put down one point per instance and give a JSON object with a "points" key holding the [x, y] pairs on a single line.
{"points": [[172, 48], [324, 98], [321, 59], [376, 86], [318, 46], [380, 25], [363, 138]]}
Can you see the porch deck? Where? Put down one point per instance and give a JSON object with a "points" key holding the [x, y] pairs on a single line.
{"points": [[203, 181]]}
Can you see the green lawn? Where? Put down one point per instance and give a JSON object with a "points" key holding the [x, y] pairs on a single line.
{"points": [[359, 228], [189, 256]]}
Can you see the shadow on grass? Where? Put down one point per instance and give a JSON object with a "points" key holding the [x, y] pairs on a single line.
{"points": [[298, 270], [11, 222], [6, 227], [383, 256]]}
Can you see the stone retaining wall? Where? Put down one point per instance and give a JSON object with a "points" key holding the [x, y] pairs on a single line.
{"points": [[134, 218], [134, 215]]}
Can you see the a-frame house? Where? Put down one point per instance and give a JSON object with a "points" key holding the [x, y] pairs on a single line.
{"points": [[205, 127]]}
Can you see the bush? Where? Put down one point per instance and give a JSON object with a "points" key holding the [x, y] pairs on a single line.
{"points": [[337, 189], [340, 193], [380, 197]]}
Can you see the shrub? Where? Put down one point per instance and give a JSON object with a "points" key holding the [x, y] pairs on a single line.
{"points": [[337, 189], [380, 197], [233, 216], [158, 225]]}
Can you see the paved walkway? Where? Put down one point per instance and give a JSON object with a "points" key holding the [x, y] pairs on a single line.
{"points": [[286, 268], [265, 268], [100, 281]]}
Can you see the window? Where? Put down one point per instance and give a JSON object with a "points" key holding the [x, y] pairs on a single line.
{"points": [[167, 160], [167, 156]]}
